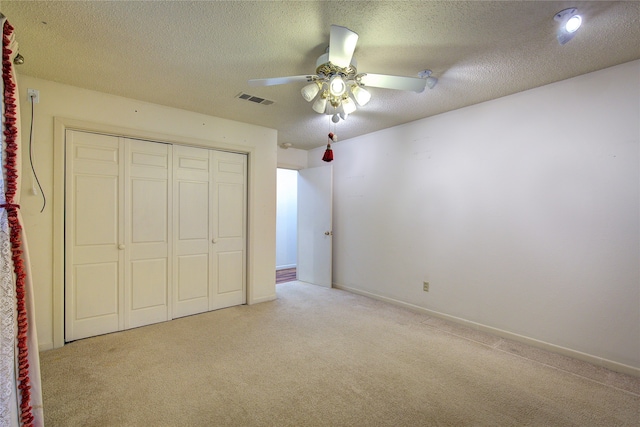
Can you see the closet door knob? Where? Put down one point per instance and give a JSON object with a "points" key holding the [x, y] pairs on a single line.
{"points": [[121, 247], [214, 240]]}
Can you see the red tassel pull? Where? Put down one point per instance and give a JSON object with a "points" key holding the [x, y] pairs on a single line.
{"points": [[328, 154]]}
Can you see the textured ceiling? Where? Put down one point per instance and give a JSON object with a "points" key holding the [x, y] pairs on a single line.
{"points": [[198, 56]]}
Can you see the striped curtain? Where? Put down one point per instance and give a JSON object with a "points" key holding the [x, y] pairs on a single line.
{"points": [[20, 388]]}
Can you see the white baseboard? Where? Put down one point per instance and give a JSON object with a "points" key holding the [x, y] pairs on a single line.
{"points": [[595, 360], [284, 267], [271, 297], [45, 346]]}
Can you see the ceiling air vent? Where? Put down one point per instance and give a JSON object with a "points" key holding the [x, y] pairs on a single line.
{"points": [[255, 99]]}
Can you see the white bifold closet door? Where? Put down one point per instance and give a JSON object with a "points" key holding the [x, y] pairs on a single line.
{"points": [[147, 233], [209, 262], [93, 258], [117, 234], [134, 227]]}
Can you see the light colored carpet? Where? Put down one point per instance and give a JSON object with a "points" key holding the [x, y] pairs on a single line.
{"points": [[321, 357]]}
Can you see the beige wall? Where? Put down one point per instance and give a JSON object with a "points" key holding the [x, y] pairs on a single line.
{"points": [[523, 213], [292, 158], [70, 106]]}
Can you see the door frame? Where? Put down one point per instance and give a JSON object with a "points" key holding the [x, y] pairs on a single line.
{"points": [[61, 125], [278, 199]]}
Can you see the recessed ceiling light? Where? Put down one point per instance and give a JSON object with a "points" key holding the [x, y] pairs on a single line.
{"points": [[573, 24], [569, 21]]}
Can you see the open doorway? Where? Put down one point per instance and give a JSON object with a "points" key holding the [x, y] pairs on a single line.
{"points": [[286, 225]]}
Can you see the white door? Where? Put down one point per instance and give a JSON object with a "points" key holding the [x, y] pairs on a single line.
{"points": [[147, 207], [210, 230], [229, 229], [117, 234], [152, 232], [94, 256], [315, 233], [192, 234]]}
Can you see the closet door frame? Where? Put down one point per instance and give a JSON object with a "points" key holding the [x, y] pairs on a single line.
{"points": [[61, 125]]}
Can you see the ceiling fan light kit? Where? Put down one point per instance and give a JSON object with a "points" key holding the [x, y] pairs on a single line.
{"points": [[309, 92], [337, 87], [361, 95], [320, 105], [348, 106], [337, 83]]}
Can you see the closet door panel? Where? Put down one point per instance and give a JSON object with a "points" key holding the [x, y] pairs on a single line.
{"points": [[194, 279], [95, 294], [96, 217], [231, 207], [229, 228], [230, 274], [150, 290], [193, 214], [192, 237], [148, 229], [149, 210], [93, 258]]}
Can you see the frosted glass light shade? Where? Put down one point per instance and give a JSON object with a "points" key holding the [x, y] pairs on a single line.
{"points": [[348, 106], [320, 105], [362, 96], [310, 91]]}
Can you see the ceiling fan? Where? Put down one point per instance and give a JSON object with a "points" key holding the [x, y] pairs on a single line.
{"points": [[337, 83]]}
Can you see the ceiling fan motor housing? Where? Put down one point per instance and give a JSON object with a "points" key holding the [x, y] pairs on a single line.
{"points": [[337, 83]]}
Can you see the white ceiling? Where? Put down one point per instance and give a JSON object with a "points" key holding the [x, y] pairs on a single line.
{"points": [[199, 55]]}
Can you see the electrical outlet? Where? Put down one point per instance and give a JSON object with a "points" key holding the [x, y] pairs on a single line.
{"points": [[425, 286], [33, 95]]}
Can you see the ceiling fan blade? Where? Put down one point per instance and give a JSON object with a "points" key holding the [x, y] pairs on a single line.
{"points": [[342, 43], [394, 82], [281, 80]]}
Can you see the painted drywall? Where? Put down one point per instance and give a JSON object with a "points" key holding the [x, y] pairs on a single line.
{"points": [[522, 213], [292, 158], [287, 219], [67, 102]]}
